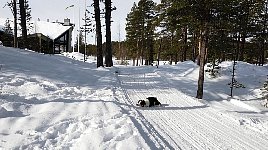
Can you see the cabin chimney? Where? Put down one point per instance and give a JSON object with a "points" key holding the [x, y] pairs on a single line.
{"points": [[66, 22]]}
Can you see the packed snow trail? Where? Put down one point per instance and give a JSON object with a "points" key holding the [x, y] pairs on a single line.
{"points": [[183, 122]]}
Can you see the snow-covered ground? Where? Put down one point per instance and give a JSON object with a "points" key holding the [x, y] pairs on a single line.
{"points": [[59, 102]]}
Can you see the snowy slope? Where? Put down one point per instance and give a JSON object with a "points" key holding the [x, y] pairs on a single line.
{"points": [[57, 102]]}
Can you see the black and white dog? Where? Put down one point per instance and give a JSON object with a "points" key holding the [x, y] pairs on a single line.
{"points": [[149, 102]]}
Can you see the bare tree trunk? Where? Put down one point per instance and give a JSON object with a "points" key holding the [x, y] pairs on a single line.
{"points": [[138, 55], [137, 59], [15, 23], [172, 47], [194, 48], [262, 52], [98, 33], [203, 43], [23, 23], [159, 51], [151, 50], [238, 46], [242, 50], [264, 33], [185, 43], [199, 49], [142, 50], [108, 57]]}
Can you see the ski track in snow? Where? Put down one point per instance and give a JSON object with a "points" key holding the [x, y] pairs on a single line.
{"points": [[183, 122]]}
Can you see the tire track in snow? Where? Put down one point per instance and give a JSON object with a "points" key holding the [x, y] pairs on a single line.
{"points": [[213, 137]]}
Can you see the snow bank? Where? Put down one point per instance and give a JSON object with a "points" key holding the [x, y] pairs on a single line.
{"points": [[245, 69], [244, 105]]}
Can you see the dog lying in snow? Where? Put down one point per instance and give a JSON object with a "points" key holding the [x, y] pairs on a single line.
{"points": [[149, 102]]}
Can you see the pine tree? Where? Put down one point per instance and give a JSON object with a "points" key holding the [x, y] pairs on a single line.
{"points": [[7, 28], [198, 15], [215, 28], [28, 11], [88, 27], [132, 30], [81, 42], [98, 33], [108, 11], [15, 23], [6, 36], [261, 34], [23, 23], [147, 13], [140, 30], [13, 6]]}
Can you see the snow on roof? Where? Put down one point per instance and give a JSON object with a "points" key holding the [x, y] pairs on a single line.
{"points": [[52, 30]]}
